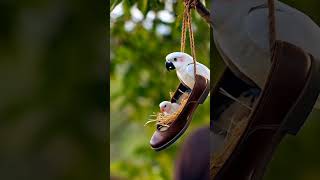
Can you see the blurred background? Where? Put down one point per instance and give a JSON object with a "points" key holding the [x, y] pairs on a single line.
{"points": [[297, 156], [53, 120], [142, 33], [54, 90]]}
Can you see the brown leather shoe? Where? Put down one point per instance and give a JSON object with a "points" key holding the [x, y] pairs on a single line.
{"points": [[162, 139], [284, 104]]}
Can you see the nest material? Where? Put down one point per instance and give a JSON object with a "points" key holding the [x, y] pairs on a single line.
{"points": [[232, 139], [166, 120], [236, 127]]}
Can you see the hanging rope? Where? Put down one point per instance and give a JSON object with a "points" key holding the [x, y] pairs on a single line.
{"points": [[183, 32], [186, 24], [272, 25]]}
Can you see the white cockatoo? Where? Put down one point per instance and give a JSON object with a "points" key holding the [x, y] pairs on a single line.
{"points": [[168, 108], [240, 29], [183, 63]]}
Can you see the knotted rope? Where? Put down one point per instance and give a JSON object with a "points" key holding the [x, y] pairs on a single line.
{"points": [[160, 118], [272, 25], [186, 24]]}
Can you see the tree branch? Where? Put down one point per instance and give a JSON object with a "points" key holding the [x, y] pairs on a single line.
{"points": [[203, 12]]}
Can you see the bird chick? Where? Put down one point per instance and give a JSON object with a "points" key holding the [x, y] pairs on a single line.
{"points": [[168, 108]]}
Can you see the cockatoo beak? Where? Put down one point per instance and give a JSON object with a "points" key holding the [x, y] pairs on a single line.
{"points": [[162, 109], [170, 66]]}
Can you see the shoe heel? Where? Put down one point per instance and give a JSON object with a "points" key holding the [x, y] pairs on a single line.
{"points": [[299, 113], [205, 94]]}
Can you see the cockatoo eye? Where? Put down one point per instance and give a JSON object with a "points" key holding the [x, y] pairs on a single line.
{"points": [[165, 105], [175, 59]]}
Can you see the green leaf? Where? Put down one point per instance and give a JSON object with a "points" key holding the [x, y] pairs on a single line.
{"points": [[127, 4], [131, 2], [114, 3], [155, 5], [143, 6]]}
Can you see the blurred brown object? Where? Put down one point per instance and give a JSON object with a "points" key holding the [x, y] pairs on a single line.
{"points": [[193, 162], [115, 178]]}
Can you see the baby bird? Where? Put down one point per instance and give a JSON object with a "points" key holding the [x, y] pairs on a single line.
{"points": [[168, 108]]}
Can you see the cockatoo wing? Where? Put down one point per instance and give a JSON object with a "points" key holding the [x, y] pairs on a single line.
{"points": [[201, 70], [291, 25], [188, 77]]}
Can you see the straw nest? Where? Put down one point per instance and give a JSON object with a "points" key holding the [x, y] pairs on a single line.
{"points": [[232, 139], [165, 120]]}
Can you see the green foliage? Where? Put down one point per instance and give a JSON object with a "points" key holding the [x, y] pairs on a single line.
{"points": [[53, 81], [113, 4], [139, 82], [143, 5]]}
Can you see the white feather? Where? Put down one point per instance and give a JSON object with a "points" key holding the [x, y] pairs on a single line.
{"points": [[186, 74], [174, 107], [168, 107]]}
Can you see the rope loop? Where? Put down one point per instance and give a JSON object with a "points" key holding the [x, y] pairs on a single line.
{"points": [[187, 25]]}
